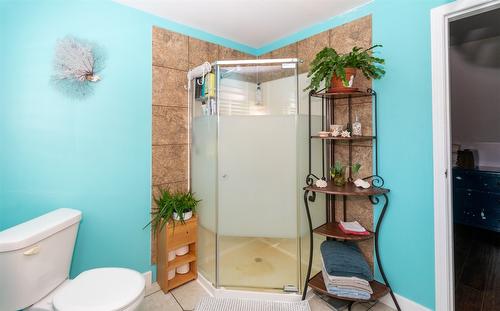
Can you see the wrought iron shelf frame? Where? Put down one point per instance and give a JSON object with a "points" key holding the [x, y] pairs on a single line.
{"points": [[328, 157]]}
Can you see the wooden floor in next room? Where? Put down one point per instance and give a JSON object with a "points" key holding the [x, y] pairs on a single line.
{"points": [[477, 269]]}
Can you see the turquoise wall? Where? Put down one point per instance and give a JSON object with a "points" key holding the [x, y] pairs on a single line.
{"points": [[93, 155], [405, 133]]}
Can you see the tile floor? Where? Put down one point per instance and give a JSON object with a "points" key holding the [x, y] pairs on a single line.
{"points": [[185, 298]]}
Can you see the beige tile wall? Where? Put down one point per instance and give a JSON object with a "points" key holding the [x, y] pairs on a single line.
{"points": [[174, 54], [343, 38]]}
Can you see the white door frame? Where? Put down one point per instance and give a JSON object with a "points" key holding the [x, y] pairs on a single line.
{"points": [[443, 221]]}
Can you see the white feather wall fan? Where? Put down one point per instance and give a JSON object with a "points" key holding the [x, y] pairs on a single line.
{"points": [[76, 66]]}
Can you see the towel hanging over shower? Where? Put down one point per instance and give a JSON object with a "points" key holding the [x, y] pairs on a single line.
{"points": [[199, 71]]}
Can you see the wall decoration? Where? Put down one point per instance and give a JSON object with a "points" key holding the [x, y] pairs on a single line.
{"points": [[77, 63]]}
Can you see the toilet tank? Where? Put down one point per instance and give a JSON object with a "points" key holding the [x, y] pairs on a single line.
{"points": [[35, 257]]}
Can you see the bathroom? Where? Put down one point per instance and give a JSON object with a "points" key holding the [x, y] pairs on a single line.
{"points": [[110, 150]]}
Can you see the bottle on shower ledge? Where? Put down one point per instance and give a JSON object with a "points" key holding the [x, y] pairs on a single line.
{"points": [[356, 127]]}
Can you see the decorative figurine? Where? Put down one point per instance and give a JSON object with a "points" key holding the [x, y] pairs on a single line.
{"points": [[336, 129], [360, 183], [320, 183], [356, 127], [345, 133]]}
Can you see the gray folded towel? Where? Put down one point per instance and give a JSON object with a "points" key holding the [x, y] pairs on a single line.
{"points": [[345, 259]]}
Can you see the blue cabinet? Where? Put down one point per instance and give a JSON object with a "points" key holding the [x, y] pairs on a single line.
{"points": [[476, 198]]}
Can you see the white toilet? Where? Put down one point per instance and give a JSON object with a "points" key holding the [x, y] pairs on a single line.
{"points": [[35, 259]]}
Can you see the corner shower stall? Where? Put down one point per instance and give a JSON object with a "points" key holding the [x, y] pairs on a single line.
{"points": [[248, 159]]}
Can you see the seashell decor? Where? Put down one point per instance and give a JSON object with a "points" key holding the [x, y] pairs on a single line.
{"points": [[345, 134], [320, 183]]}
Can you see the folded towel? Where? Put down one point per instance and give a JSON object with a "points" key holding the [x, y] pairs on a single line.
{"points": [[345, 282], [345, 259], [353, 226], [346, 292], [349, 293]]}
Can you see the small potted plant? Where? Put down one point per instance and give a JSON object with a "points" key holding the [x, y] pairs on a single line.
{"points": [[337, 172], [169, 205], [339, 70], [355, 170], [185, 207]]}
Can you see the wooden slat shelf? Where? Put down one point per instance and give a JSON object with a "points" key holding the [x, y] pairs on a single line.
{"points": [[181, 279], [332, 230], [344, 138], [379, 290], [348, 189], [180, 260]]}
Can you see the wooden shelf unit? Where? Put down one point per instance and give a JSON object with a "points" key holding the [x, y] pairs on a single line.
{"points": [[170, 238], [331, 229]]}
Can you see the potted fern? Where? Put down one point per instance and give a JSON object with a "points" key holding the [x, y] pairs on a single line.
{"points": [[179, 206], [338, 71]]}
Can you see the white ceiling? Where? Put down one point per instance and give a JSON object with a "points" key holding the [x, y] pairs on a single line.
{"points": [[254, 23]]}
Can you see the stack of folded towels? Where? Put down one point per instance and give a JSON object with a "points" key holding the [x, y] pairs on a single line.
{"points": [[345, 271]]}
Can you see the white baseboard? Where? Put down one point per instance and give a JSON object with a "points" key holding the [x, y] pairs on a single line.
{"points": [[404, 303], [148, 277], [207, 286]]}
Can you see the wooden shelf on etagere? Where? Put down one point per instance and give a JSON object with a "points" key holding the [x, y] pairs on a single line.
{"points": [[344, 138], [379, 289], [331, 229]]}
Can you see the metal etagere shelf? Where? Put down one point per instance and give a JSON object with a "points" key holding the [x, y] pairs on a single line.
{"points": [[331, 229]]}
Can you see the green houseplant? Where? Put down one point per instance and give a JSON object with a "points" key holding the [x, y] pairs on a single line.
{"points": [[337, 172], [186, 206], [338, 70], [172, 205]]}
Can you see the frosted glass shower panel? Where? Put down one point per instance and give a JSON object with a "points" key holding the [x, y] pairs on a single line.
{"points": [[258, 184], [204, 186]]}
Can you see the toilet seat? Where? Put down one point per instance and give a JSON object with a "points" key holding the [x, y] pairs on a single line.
{"points": [[102, 289]]}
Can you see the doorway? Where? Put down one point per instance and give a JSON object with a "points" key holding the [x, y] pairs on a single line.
{"points": [[474, 62], [466, 112]]}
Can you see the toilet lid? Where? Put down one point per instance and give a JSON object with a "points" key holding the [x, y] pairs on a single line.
{"points": [[103, 289]]}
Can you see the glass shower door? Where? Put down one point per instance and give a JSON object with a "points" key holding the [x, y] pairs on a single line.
{"points": [[257, 176], [203, 171]]}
